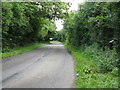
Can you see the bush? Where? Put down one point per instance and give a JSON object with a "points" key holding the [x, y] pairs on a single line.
{"points": [[115, 72], [107, 60], [87, 69]]}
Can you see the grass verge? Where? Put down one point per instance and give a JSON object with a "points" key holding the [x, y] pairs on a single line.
{"points": [[20, 50], [87, 71], [54, 42]]}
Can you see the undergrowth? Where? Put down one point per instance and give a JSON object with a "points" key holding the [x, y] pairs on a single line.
{"points": [[89, 67]]}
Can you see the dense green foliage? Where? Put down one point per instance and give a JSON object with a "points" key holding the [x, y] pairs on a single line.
{"points": [[96, 22], [29, 22], [92, 35], [88, 73], [59, 35], [107, 60]]}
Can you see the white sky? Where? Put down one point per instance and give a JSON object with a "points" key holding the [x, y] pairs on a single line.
{"points": [[73, 7]]}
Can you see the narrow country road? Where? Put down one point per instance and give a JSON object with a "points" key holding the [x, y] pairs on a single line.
{"points": [[49, 66]]}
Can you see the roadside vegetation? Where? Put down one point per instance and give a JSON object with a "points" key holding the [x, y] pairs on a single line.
{"points": [[92, 35], [25, 23], [20, 50], [54, 41], [90, 70]]}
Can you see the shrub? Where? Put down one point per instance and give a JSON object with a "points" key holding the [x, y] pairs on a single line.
{"points": [[107, 60]]}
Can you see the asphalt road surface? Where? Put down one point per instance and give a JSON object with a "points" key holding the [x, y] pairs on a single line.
{"points": [[49, 66]]}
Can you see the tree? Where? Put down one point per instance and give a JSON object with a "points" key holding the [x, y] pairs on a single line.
{"points": [[29, 22]]}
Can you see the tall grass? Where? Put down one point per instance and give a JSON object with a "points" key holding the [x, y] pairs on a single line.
{"points": [[88, 70]]}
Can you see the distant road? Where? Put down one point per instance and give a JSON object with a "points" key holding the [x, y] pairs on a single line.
{"points": [[49, 66]]}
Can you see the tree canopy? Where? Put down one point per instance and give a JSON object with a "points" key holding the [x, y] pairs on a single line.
{"points": [[29, 22], [96, 22], [95, 28]]}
